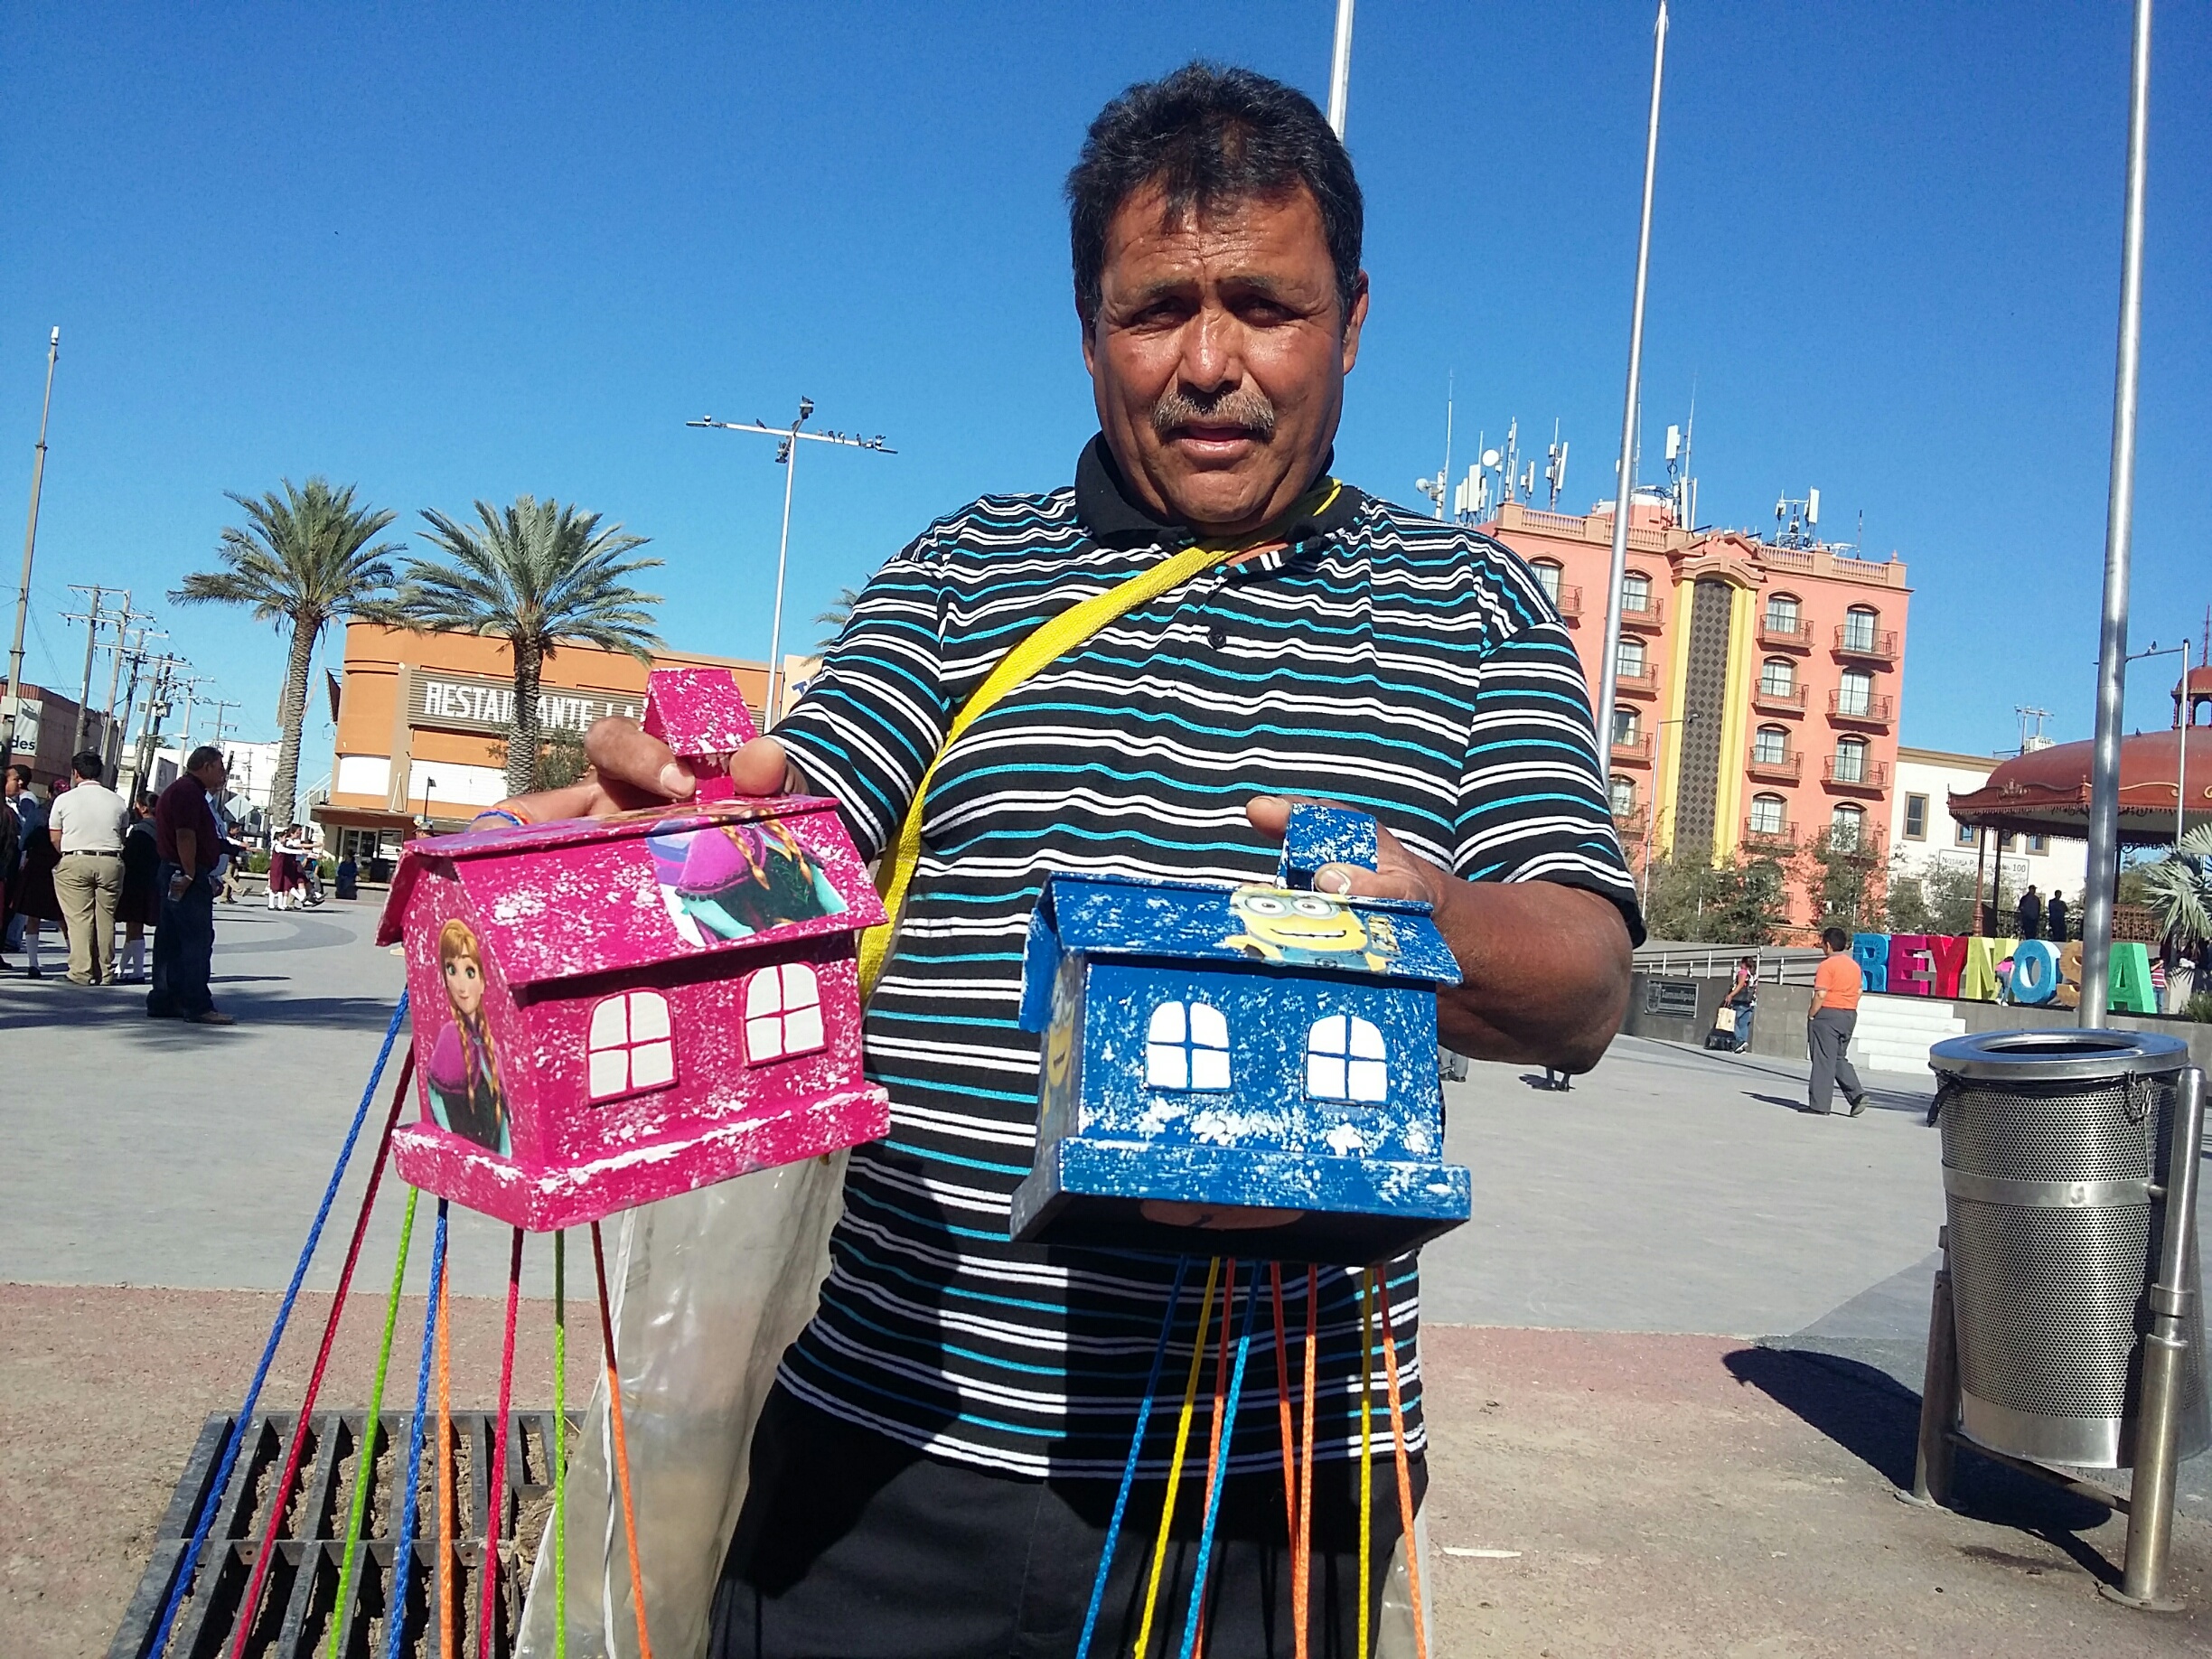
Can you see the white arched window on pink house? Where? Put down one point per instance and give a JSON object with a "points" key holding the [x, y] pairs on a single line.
{"points": [[783, 1013], [631, 1048]]}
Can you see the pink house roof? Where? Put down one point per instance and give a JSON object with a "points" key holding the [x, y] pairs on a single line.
{"points": [[557, 901]]}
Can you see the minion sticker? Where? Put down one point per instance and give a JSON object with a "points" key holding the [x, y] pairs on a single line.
{"points": [[1308, 930]]}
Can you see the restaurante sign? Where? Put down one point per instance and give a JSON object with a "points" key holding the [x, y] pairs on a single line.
{"points": [[463, 703]]}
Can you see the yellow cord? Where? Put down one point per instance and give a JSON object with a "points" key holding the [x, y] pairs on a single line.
{"points": [[1045, 644], [1175, 1466], [1366, 1469]]}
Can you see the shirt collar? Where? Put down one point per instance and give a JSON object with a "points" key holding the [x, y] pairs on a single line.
{"points": [[1113, 514]]}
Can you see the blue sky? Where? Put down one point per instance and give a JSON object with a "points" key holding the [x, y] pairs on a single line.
{"points": [[449, 254]]}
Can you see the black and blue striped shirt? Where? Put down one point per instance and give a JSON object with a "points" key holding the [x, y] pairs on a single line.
{"points": [[1411, 668]]}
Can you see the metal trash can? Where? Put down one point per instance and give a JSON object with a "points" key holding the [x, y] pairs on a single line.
{"points": [[2053, 1142]]}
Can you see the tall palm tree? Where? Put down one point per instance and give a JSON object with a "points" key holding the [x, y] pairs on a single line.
{"points": [[2179, 889], [302, 560], [536, 575], [835, 618]]}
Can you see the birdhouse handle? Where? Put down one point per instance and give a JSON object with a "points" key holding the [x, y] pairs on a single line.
{"points": [[1322, 835], [701, 716]]}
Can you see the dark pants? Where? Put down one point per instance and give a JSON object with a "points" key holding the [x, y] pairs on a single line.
{"points": [[183, 948], [1828, 1036], [854, 1546]]}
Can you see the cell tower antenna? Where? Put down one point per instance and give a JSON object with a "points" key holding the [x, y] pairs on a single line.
{"points": [[2030, 741]]}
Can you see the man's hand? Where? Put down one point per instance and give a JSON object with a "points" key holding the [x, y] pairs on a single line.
{"points": [[1543, 967], [629, 770]]}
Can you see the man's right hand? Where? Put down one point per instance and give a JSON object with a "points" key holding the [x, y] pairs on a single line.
{"points": [[629, 770]]}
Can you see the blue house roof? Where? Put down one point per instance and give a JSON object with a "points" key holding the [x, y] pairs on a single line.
{"points": [[1199, 922]]}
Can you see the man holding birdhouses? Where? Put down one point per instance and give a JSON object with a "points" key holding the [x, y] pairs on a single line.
{"points": [[932, 1474]]}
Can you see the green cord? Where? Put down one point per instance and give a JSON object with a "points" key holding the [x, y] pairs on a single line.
{"points": [[365, 1455], [560, 1434]]}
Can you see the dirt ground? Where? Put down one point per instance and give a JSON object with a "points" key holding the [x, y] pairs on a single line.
{"points": [[1592, 1494]]}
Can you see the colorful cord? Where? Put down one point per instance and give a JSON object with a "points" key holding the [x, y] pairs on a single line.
{"points": [[496, 1510], [560, 1447], [365, 1455], [181, 1586], [1227, 1437], [447, 1643], [1366, 1467], [1402, 1457], [1174, 1463], [403, 1558], [622, 1445]]}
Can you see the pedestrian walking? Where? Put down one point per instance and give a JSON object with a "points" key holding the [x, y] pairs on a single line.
{"points": [[86, 827], [1743, 1001], [1836, 985], [140, 906], [2054, 918], [281, 879], [189, 842], [2030, 916]]}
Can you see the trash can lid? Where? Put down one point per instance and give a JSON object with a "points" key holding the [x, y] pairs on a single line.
{"points": [[2062, 1054]]}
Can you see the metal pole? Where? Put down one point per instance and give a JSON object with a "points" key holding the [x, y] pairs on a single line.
{"points": [[38, 480], [775, 624], [1620, 568], [2150, 1495], [1940, 1401], [2181, 755], [1340, 70], [2119, 533], [84, 694]]}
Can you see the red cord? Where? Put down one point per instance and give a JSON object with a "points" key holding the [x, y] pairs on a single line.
{"points": [[498, 1506], [445, 1469], [621, 1446], [281, 1496]]}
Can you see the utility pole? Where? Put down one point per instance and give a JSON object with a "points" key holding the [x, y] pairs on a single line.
{"points": [[1340, 70], [192, 696], [38, 481], [120, 622], [120, 732], [157, 707], [787, 456], [91, 616]]}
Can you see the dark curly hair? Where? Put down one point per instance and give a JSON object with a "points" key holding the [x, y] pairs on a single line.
{"points": [[1210, 136]]}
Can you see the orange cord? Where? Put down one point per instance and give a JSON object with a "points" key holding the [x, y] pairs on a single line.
{"points": [[1405, 1476], [1221, 1407], [446, 1469], [1282, 1406], [1302, 1548], [621, 1446]]}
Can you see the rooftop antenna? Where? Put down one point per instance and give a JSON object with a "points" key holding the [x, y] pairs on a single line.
{"points": [[1436, 488], [1340, 70], [1555, 466], [2032, 741]]}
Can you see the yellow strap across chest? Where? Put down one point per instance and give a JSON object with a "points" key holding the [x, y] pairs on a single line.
{"points": [[1046, 643]]}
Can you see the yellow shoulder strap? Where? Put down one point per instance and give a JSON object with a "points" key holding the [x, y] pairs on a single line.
{"points": [[1046, 643]]}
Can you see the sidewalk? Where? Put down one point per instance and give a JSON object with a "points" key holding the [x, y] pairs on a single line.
{"points": [[1673, 1363]]}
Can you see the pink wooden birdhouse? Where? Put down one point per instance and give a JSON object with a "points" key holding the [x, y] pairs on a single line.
{"points": [[616, 1010]]}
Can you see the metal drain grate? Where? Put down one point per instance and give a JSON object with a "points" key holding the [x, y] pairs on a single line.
{"points": [[298, 1599]]}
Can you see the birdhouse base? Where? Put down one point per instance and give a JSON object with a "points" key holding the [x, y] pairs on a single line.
{"points": [[1354, 1212], [545, 1200]]}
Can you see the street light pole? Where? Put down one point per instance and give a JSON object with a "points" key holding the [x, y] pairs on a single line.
{"points": [[787, 456], [38, 481], [2119, 536], [1618, 570], [1340, 70]]}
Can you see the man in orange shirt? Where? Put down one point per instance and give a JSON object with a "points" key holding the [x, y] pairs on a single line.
{"points": [[1828, 1033]]}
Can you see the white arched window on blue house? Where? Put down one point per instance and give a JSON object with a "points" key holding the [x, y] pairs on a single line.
{"points": [[1346, 1061], [1186, 1046]]}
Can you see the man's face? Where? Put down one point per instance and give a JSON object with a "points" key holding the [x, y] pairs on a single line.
{"points": [[14, 786], [213, 777], [1218, 356]]}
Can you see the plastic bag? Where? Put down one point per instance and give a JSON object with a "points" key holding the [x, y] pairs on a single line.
{"points": [[708, 1289]]}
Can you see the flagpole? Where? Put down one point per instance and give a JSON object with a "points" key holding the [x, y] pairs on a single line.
{"points": [[2119, 540], [1340, 70], [1610, 671]]}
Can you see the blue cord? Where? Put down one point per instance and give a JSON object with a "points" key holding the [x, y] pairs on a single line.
{"points": [[1129, 1471], [181, 1584], [1221, 1473], [395, 1611]]}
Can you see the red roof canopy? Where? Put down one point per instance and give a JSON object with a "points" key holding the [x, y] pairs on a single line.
{"points": [[2046, 791]]}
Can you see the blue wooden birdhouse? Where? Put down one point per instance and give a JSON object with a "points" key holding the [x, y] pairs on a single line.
{"points": [[1241, 1048]]}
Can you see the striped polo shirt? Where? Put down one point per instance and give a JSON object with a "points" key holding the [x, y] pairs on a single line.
{"points": [[1404, 665]]}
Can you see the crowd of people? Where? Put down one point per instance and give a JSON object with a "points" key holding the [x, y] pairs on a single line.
{"points": [[89, 864]]}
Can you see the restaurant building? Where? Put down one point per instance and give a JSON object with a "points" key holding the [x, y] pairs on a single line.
{"points": [[1759, 683], [423, 718]]}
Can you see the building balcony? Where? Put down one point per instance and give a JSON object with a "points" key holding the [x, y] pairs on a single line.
{"points": [[1635, 752], [1865, 842], [1766, 701], [1787, 768], [1873, 644], [1780, 839], [1872, 777], [1861, 710], [1645, 684], [1568, 602], [1630, 827], [1799, 637], [1647, 616]]}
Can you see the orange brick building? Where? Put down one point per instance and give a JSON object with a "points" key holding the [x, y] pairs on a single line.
{"points": [[1758, 691], [422, 720]]}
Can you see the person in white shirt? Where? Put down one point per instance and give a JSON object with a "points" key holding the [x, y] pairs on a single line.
{"points": [[86, 825]]}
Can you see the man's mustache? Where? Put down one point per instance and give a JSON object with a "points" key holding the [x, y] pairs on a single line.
{"points": [[1247, 407]]}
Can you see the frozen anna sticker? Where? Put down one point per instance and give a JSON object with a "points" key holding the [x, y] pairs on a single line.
{"points": [[466, 1096], [731, 881]]}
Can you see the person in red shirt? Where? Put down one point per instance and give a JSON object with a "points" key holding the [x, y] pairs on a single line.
{"points": [[188, 840], [1836, 985]]}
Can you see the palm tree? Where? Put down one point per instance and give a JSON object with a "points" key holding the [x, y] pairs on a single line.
{"points": [[835, 618], [536, 575], [303, 560], [2179, 889]]}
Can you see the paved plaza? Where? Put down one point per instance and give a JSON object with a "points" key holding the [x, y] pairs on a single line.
{"points": [[1674, 1362]]}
